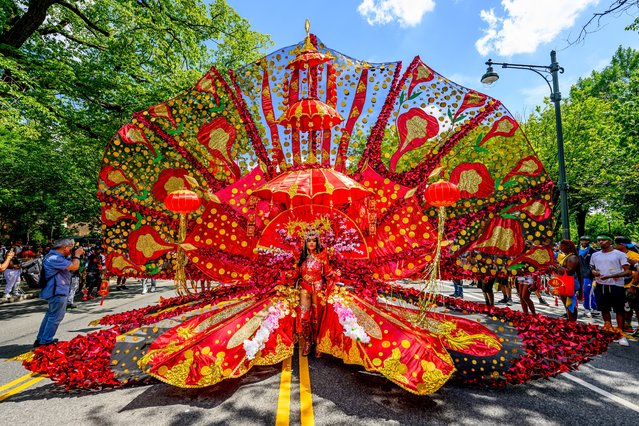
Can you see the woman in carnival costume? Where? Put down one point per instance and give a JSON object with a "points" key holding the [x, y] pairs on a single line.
{"points": [[316, 279]]}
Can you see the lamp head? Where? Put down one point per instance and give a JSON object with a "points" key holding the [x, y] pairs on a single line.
{"points": [[490, 76]]}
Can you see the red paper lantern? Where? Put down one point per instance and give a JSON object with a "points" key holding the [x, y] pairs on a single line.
{"points": [[442, 194], [182, 201]]}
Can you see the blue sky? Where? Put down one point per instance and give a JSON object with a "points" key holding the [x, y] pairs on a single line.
{"points": [[455, 37]]}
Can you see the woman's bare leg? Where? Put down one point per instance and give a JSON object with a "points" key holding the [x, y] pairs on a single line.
{"points": [[305, 314], [522, 302], [524, 295]]}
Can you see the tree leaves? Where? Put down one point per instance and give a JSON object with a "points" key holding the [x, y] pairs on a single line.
{"points": [[79, 74], [600, 137]]}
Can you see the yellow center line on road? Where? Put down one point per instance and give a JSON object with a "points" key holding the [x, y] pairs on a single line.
{"points": [[307, 417], [36, 379], [284, 400], [16, 381]]}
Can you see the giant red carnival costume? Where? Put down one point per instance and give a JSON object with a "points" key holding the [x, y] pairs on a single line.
{"points": [[216, 186]]}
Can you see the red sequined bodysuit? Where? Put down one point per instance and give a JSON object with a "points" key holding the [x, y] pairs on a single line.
{"points": [[315, 278]]}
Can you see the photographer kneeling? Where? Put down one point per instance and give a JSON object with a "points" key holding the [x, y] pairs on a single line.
{"points": [[57, 269]]}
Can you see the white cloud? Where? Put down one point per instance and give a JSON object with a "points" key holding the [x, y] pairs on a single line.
{"points": [[408, 13], [527, 24]]}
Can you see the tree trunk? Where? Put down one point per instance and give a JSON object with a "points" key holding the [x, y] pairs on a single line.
{"points": [[580, 218], [26, 25]]}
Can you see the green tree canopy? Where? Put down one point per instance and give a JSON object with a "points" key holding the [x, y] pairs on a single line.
{"points": [[73, 71], [601, 139]]}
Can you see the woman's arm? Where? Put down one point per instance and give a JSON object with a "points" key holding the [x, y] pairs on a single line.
{"points": [[7, 260]]}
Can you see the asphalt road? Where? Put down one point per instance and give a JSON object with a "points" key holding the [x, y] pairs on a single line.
{"points": [[605, 391]]}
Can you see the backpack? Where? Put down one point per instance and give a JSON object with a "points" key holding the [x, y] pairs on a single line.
{"points": [[42, 280]]}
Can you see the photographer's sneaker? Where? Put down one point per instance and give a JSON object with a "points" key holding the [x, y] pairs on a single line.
{"points": [[623, 342]]}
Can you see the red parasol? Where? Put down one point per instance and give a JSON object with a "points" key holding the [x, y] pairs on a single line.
{"points": [[310, 114], [312, 186]]}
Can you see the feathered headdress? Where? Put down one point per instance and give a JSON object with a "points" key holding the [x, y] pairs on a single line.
{"points": [[305, 230]]}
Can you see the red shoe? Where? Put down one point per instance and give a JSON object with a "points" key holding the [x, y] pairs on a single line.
{"points": [[307, 348]]}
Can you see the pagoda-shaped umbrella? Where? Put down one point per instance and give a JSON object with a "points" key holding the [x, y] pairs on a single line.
{"points": [[312, 186]]}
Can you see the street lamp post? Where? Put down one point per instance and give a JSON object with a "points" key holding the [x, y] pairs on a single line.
{"points": [[555, 96]]}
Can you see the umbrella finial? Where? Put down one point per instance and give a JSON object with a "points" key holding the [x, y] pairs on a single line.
{"points": [[308, 45]]}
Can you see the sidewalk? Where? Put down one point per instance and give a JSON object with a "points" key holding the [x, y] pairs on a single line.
{"points": [[29, 293]]}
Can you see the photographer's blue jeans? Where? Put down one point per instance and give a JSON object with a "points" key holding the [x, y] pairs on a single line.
{"points": [[52, 319]]}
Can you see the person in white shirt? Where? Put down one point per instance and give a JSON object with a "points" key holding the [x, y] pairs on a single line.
{"points": [[609, 267]]}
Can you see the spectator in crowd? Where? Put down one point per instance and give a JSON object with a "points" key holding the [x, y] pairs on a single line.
{"points": [[538, 289], [632, 296], [75, 285], [557, 253], [12, 277], [3, 254], [16, 246], [506, 291], [7, 260], [120, 283], [145, 284], [57, 269], [31, 268], [525, 285], [585, 254], [623, 244], [609, 267], [570, 265], [458, 286], [486, 285], [95, 268]]}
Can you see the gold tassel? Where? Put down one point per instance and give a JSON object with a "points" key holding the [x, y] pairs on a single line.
{"points": [[250, 225], [180, 262], [431, 285], [372, 216]]}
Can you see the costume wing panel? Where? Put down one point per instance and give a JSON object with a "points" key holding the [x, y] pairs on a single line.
{"points": [[360, 333], [439, 129]]}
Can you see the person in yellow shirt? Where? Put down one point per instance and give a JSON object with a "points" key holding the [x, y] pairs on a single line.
{"points": [[630, 283]]}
